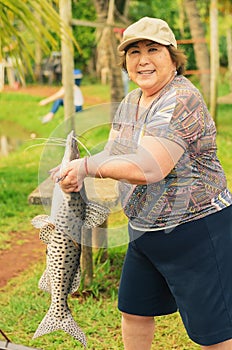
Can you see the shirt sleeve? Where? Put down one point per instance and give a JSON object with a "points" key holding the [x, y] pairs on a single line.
{"points": [[179, 118], [116, 124], [126, 111]]}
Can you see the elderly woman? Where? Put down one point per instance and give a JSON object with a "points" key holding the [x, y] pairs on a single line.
{"points": [[162, 149]]}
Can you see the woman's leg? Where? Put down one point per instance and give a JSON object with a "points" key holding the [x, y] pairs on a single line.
{"points": [[137, 331], [226, 345]]}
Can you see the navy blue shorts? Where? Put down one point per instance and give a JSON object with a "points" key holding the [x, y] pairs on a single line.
{"points": [[188, 269]]}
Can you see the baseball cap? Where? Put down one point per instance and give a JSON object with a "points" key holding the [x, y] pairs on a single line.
{"points": [[154, 29]]}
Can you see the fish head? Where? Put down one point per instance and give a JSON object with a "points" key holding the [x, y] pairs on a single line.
{"points": [[71, 150]]}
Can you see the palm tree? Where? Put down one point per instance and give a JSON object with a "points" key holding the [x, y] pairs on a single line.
{"points": [[26, 22]]}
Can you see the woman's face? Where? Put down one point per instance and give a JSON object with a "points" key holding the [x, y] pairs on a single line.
{"points": [[149, 65]]}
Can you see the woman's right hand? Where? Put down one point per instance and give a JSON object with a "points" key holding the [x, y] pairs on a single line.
{"points": [[73, 176]]}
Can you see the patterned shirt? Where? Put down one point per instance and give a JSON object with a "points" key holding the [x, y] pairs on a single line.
{"points": [[196, 187]]}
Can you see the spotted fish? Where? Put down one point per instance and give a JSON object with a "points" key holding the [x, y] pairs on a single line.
{"points": [[62, 231]]}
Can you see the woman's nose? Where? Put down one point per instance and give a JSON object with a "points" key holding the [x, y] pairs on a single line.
{"points": [[144, 59]]}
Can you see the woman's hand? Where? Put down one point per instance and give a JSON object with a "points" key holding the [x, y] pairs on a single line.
{"points": [[73, 176]]}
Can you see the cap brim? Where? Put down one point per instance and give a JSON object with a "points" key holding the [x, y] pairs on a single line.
{"points": [[124, 44]]}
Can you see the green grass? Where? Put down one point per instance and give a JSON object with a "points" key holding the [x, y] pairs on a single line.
{"points": [[22, 304]]}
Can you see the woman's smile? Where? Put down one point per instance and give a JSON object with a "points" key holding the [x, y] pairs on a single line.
{"points": [[146, 72]]}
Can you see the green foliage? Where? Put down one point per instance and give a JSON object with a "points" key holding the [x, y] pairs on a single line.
{"points": [[151, 8], [223, 52], [85, 36], [22, 23]]}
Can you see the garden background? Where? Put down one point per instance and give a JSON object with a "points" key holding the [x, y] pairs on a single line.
{"points": [[22, 259]]}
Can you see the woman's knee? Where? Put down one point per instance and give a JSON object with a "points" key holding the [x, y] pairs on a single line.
{"points": [[136, 318], [226, 345]]}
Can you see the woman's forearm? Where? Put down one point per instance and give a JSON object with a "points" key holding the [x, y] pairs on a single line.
{"points": [[139, 168], [152, 162]]}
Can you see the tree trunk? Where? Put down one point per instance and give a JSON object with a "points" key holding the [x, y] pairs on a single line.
{"points": [[229, 55], [102, 59], [100, 241], [38, 62], [67, 63], [87, 257], [107, 59], [214, 58], [200, 49]]}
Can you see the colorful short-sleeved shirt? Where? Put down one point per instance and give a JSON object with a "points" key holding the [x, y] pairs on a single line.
{"points": [[196, 187]]}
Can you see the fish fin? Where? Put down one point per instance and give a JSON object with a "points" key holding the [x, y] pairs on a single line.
{"points": [[40, 221], [43, 222], [95, 214], [76, 281], [50, 324], [44, 282]]}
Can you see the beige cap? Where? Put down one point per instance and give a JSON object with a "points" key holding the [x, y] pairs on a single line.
{"points": [[154, 29]]}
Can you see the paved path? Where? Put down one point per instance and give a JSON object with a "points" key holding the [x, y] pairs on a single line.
{"points": [[225, 99]]}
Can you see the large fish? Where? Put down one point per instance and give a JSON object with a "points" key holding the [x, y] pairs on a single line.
{"points": [[62, 231]]}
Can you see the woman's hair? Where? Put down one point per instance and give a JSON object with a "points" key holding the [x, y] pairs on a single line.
{"points": [[177, 56]]}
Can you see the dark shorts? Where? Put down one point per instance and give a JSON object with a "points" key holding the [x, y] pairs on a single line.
{"points": [[188, 269]]}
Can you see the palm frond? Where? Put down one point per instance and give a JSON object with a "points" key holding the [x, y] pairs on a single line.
{"points": [[24, 22]]}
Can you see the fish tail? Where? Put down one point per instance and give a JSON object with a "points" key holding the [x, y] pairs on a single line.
{"points": [[50, 324]]}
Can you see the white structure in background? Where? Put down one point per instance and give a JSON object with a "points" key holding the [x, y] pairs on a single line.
{"points": [[8, 70]]}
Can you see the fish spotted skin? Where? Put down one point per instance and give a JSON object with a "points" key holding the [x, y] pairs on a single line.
{"points": [[61, 251], [62, 233]]}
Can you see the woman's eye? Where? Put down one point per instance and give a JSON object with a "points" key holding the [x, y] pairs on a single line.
{"points": [[152, 49], [132, 52]]}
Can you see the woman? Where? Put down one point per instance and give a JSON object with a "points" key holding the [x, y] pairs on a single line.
{"points": [[162, 150]]}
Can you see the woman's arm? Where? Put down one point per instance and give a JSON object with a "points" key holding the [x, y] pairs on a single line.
{"points": [[152, 162]]}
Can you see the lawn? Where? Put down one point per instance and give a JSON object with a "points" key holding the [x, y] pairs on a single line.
{"points": [[22, 304]]}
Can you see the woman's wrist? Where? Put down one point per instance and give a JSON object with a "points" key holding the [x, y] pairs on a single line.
{"points": [[90, 167], [86, 167]]}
